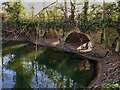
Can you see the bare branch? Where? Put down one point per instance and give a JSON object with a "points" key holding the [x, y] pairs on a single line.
{"points": [[45, 8]]}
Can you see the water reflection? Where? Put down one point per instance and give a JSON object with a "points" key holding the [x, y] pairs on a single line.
{"points": [[8, 75], [26, 75], [50, 70], [65, 70]]}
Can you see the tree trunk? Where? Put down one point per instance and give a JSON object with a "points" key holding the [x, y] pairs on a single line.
{"points": [[73, 7], [63, 34], [104, 30], [86, 6], [117, 46], [101, 41], [105, 37], [36, 48], [66, 11], [117, 49]]}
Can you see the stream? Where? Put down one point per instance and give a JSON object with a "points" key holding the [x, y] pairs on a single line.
{"points": [[51, 69]]}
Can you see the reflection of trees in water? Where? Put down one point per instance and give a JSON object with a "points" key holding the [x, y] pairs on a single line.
{"points": [[23, 73], [58, 79], [81, 71], [23, 76], [58, 67], [83, 65]]}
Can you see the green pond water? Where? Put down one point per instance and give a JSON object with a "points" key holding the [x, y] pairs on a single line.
{"points": [[51, 69]]}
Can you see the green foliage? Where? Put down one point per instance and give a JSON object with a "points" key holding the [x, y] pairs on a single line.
{"points": [[54, 17], [111, 86], [90, 26], [16, 11]]}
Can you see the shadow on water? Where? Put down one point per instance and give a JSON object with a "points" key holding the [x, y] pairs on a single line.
{"points": [[76, 69], [50, 70], [23, 75]]}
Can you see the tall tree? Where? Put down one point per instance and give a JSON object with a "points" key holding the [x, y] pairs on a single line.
{"points": [[103, 27], [117, 49], [32, 10], [15, 11], [73, 7], [66, 10], [86, 7]]}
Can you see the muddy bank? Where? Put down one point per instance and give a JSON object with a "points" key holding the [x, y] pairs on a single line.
{"points": [[109, 71]]}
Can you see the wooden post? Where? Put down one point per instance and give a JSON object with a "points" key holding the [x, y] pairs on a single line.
{"points": [[103, 27], [117, 45], [36, 48]]}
